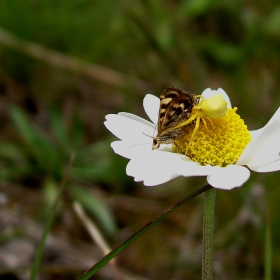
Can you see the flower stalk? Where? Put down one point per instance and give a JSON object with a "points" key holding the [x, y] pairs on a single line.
{"points": [[208, 232]]}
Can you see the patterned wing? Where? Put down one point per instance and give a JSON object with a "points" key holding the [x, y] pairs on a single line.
{"points": [[175, 107]]}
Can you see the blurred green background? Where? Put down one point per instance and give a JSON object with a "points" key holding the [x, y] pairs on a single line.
{"points": [[64, 65]]}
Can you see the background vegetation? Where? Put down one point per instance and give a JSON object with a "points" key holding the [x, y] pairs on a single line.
{"points": [[64, 65]]}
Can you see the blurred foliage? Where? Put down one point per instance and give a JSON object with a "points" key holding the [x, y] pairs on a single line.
{"points": [[48, 112]]}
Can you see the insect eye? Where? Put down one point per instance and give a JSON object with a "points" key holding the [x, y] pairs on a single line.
{"points": [[155, 144]]}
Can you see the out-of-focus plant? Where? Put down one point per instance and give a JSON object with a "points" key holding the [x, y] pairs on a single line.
{"points": [[39, 159]]}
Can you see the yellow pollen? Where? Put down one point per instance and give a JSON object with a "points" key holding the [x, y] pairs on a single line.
{"points": [[219, 143]]}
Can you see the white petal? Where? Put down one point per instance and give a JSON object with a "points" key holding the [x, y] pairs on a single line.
{"points": [[151, 107], [189, 168], [129, 127], [136, 118], [275, 117], [274, 166], [255, 133], [148, 175], [153, 169], [264, 149], [160, 166], [228, 177], [129, 150], [208, 93]]}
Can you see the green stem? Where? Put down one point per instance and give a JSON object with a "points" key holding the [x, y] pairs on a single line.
{"points": [[138, 233], [268, 249], [208, 231]]}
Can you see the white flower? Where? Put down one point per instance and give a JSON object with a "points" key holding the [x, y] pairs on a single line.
{"points": [[155, 167]]}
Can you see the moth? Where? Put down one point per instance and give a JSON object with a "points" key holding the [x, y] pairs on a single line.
{"points": [[175, 108]]}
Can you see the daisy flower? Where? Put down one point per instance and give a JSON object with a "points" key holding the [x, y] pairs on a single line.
{"points": [[222, 148]]}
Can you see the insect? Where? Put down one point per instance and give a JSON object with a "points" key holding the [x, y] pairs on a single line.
{"points": [[175, 108]]}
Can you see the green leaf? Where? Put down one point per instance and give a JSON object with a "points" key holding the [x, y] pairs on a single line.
{"points": [[194, 8], [38, 145], [10, 151], [58, 128], [272, 25]]}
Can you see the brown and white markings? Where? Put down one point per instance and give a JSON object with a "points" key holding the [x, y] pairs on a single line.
{"points": [[175, 108]]}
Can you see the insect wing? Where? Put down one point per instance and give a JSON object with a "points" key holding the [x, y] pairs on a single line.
{"points": [[166, 112], [175, 107]]}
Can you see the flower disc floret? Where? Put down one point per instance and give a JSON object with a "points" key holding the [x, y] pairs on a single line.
{"points": [[219, 143]]}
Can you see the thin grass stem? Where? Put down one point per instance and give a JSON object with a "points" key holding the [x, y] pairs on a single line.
{"points": [[141, 231], [40, 250], [208, 233], [268, 249]]}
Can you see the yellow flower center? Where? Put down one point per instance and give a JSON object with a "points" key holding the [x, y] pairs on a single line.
{"points": [[217, 141]]}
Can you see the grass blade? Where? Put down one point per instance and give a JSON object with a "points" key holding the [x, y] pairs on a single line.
{"points": [[47, 228], [137, 234]]}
